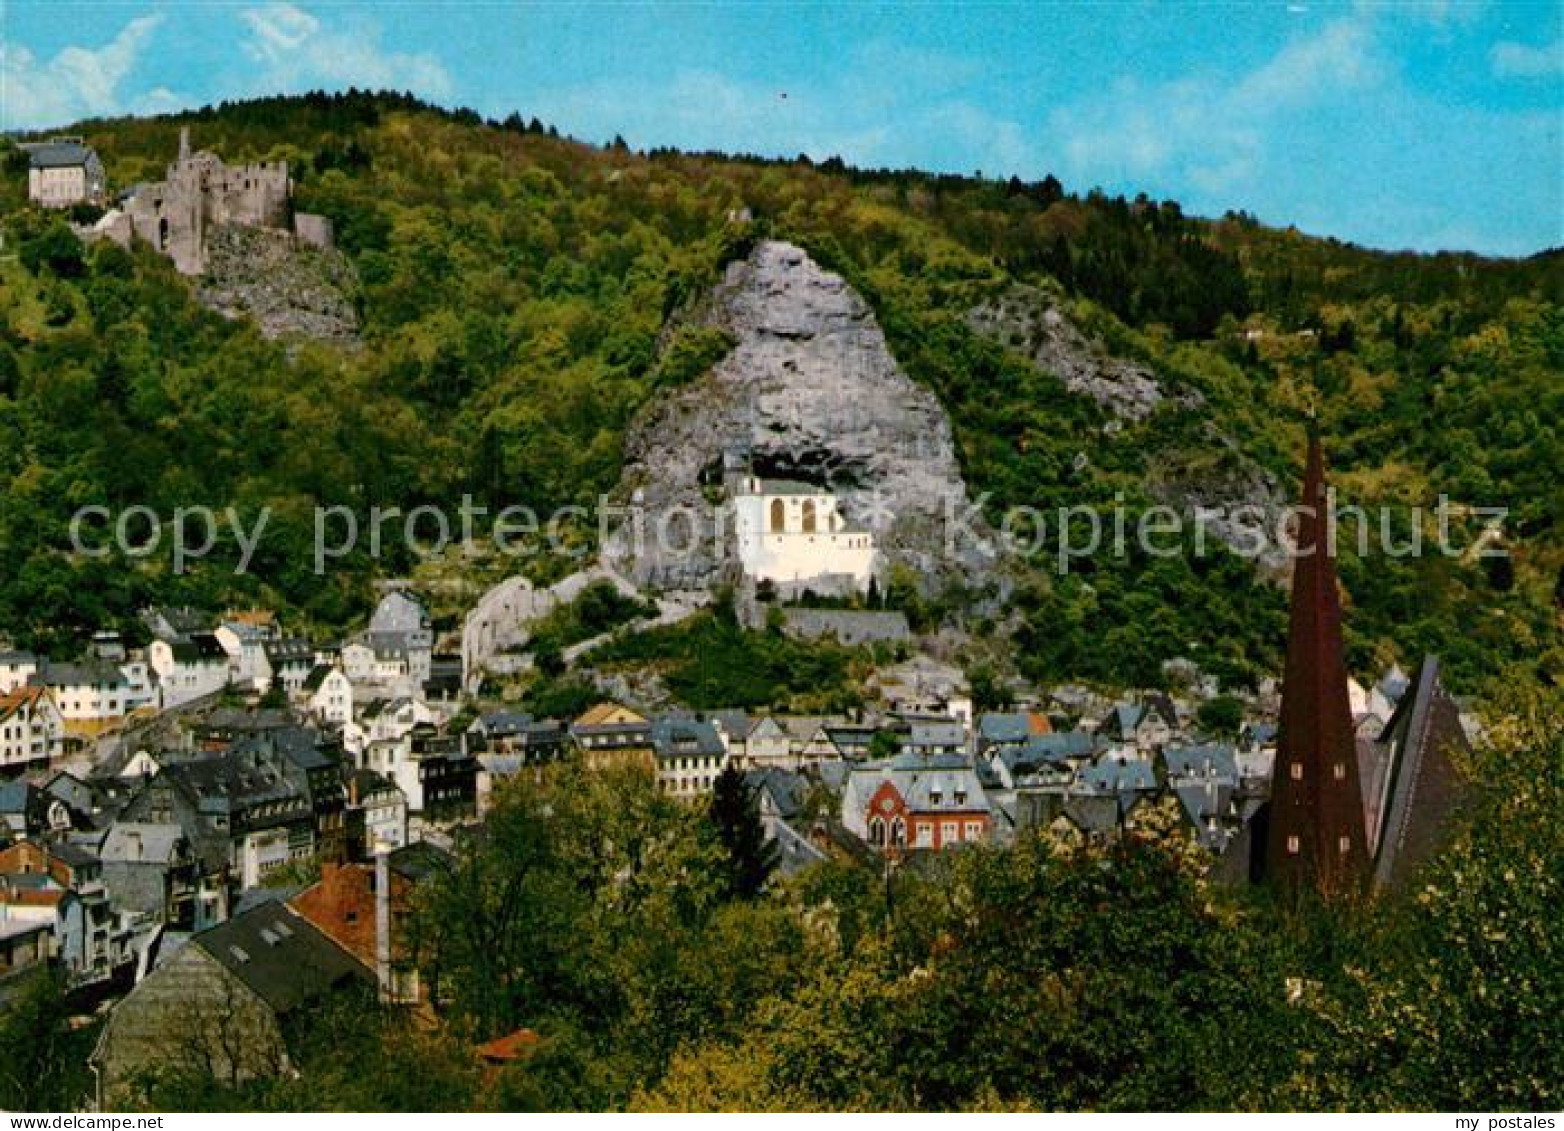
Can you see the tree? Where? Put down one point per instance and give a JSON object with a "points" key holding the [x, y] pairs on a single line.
{"points": [[1221, 717], [735, 815], [42, 1061]]}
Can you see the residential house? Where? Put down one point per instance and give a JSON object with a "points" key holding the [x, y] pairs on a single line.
{"points": [[92, 695], [932, 737], [1146, 725], [690, 755], [327, 695], [376, 813], [344, 906], [17, 669], [222, 1002], [910, 802], [32, 729], [291, 659], [610, 735], [189, 668], [64, 171], [244, 642], [151, 870], [517, 733]]}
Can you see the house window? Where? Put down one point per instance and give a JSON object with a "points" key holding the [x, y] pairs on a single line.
{"points": [[1292, 846], [949, 832], [926, 834], [1344, 845], [1297, 771], [1341, 771]]}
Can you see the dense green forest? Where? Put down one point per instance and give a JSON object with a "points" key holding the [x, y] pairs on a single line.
{"points": [[516, 290]]}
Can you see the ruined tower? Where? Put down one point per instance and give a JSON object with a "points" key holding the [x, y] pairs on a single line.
{"points": [[1315, 834]]}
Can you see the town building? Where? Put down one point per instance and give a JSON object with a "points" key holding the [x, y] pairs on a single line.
{"points": [[910, 802], [690, 755], [610, 735], [62, 172], [32, 729], [222, 1002]]}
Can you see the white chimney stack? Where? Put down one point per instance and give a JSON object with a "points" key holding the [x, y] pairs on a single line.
{"points": [[383, 917]]}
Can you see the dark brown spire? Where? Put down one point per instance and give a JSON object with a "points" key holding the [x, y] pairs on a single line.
{"points": [[1315, 834]]}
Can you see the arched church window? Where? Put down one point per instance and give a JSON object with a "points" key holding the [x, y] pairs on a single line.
{"points": [[809, 516], [778, 516]]}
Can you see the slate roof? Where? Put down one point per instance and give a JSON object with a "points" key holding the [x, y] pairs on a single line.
{"points": [[1012, 726], [85, 673], [292, 650], [1109, 775], [790, 487], [317, 677], [58, 154], [1092, 814], [686, 738], [17, 796], [788, 791], [280, 957], [140, 842], [1207, 760], [927, 732], [199, 648], [1423, 787], [920, 780]]}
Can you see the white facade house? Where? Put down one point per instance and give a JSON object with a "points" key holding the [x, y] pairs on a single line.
{"points": [[245, 645], [32, 730], [793, 535], [16, 668], [188, 669], [328, 695], [62, 172], [89, 695]]}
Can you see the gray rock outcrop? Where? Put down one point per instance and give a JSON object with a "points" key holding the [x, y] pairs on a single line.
{"points": [[809, 391], [291, 289], [1027, 321]]}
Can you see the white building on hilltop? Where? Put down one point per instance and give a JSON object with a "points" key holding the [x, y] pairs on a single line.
{"points": [[791, 534]]}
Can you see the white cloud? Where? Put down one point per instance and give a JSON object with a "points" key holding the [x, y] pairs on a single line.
{"points": [[1521, 60], [1206, 132], [296, 52], [79, 82]]}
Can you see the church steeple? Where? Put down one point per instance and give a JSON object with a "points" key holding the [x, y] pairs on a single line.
{"points": [[1316, 832]]}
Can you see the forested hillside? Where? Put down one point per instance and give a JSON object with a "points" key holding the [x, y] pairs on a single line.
{"points": [[517, 290]]}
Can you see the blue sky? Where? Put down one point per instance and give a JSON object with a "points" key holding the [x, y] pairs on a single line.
{"points": [[1422, 125]]}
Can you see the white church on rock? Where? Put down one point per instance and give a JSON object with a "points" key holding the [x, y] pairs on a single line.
{"points": [[791, 534]]}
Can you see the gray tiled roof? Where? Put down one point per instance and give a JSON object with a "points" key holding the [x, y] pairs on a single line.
{"points": [[58, 154], [282, 958]]}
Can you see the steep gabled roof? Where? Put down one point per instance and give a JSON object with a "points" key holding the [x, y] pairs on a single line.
{"points": [[281, 957]]}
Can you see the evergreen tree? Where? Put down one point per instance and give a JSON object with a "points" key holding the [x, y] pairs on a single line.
{"points": [[735, 814]]}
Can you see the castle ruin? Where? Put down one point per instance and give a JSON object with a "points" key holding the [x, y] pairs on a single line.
{"points": [[200, 194]]}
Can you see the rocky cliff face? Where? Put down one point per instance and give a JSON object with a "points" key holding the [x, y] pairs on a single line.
{"points": [[811, 392], [1241, 501], [292, 291], [1025, 320]]}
